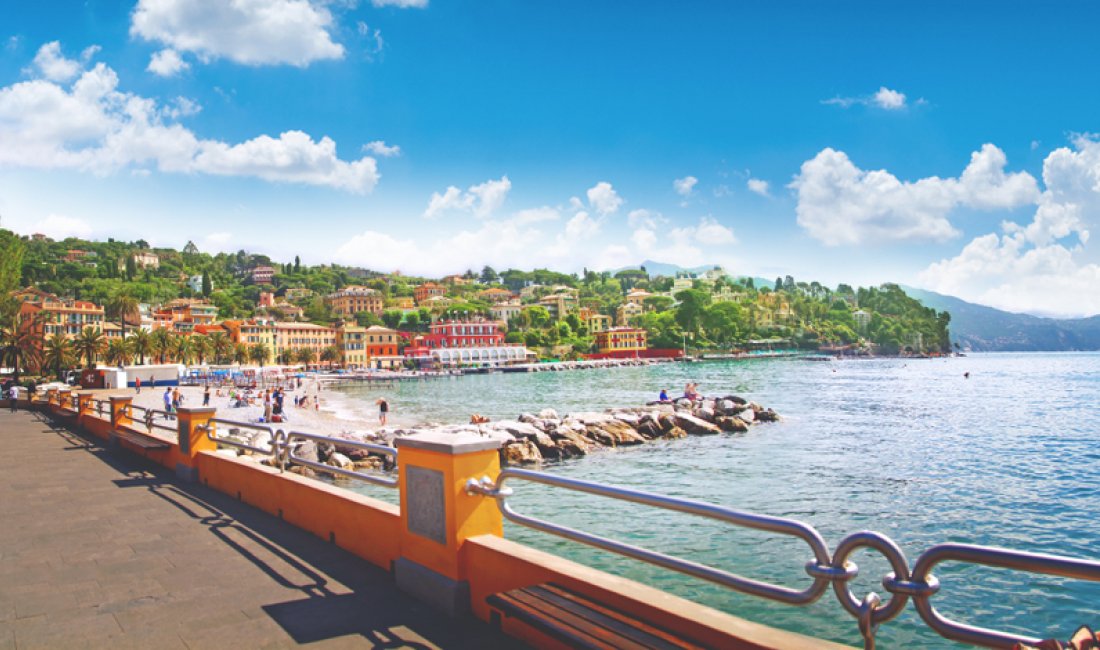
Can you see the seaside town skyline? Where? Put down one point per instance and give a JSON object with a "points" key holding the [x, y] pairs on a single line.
{"points": [[439, 137]]}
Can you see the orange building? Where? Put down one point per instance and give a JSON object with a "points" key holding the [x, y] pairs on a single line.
{"points": [[59, 315], [294, 336], [353, 299], [429, 290], [382, 347]]}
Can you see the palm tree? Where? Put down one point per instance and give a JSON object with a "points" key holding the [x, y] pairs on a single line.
{"points": [[240, 353], [19, 343], [161, 343], [58, 353], [221, 346], [141, 344], [119, 352], [330, 354], [287, 356], [203, 347], [184, 349], [258, 352], [90, 344], [125, 308], [305, 356]]}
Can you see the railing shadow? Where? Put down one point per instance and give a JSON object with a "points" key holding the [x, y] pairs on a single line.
{"points": [[341, 595]]}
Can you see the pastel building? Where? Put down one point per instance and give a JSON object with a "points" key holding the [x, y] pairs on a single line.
{"points": [[295, 336], [621, 341], [382, 345], [58, 315], [351, 339], [457, 343], [354, 299], [428, 290]]}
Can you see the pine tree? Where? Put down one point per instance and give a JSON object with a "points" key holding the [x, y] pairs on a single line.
{"points": [[206, 287], [297, 264]]}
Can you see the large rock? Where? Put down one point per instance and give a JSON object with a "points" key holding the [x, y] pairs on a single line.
{"points": [[675, 432], [693, 425], [748, 415], [307, 450], [614, 433], [649, 428], [765, 415], [520, 452], [732, 424], [336, 459], [549, 414]]}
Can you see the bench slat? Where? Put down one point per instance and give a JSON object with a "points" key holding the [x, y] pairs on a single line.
{"points": [[141, 440], [580, 622]]}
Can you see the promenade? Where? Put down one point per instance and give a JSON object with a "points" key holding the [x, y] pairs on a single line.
{"points": [[102, 549]]}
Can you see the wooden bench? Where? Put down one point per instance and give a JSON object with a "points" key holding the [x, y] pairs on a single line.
{"points": [[146, 442], [578, 621]]}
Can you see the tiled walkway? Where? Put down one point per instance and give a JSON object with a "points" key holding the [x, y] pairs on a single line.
{"points": [[101, 549]]}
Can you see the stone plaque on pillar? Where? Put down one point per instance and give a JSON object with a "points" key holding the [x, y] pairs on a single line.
{"points": [[427, 504]]}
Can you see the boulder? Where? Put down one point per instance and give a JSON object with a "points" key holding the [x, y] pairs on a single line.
{"points": [[704, 413], [307, 450], [748, 415], [518, 430], [325, 450], [693, 425], [549, 414], [614, 433], [368, 463], [301, 471], [725, 407], [520, 452], [649, 429], [675, 432], [736, 400], [527, 417], [732, 424], [627, 417], [767, 415], [336, 459]]}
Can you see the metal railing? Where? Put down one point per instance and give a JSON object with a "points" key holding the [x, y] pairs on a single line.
{"points": [[825, 568], [149, 418], [102, 408], [384, 479], [281, 450]]}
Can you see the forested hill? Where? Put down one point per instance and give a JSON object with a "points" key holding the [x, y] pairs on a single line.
{"points": [[985, 329]]}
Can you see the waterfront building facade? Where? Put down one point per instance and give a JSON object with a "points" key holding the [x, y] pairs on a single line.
{"points": [[625, 341], [354, 299], [351, 339], [57, 315], [295, 336], [458, 343], [382, 344]]}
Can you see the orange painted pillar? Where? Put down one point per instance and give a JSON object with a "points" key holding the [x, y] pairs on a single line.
{"points": [[120, 411], [437, 516], [192, 439], [51, 397], [83, 406], [63, 397]]}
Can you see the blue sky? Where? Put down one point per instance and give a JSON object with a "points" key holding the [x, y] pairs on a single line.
{"points": [[938, 145]]}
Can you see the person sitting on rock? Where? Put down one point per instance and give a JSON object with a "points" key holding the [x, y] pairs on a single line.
{"points": [[477, 418]]}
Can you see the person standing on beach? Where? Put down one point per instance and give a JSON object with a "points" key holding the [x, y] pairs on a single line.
{"points": [[383, 410], [206, 396], [267, 406], [168, 403], [13, 395], [137, 384]]}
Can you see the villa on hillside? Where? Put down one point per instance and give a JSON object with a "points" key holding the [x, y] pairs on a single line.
{"points": [[354, 299], [429, 290]]}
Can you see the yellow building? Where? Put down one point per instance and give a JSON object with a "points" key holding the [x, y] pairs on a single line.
{"points": [[597, 323], [403, 303], [251, 333], [353, 299], [295, 336], [621, 340], [351, 339], [626, 311], [638, 296]]}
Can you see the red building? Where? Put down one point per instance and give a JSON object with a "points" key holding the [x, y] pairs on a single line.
{"points": [[429, 290], [463, 334]]}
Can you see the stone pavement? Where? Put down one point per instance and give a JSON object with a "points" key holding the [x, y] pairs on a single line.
{"points": [[102, 549]]}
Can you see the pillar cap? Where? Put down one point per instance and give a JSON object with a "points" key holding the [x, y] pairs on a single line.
{"points": [[200, 410], [447, 443], [119, 398]]}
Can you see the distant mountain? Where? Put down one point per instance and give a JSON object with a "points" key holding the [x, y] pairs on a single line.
{"points": [[985, 329]]}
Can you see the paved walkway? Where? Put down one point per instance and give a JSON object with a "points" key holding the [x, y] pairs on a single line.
{"points": [[101, 549]]}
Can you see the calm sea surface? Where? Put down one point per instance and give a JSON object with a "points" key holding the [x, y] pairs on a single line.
{"points": [[912, 449]]}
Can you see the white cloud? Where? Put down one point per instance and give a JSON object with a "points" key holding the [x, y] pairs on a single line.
{"points": [[167, 63], [603, 198], [884, 98], [758, 186], [380, 148], [53, 65], [401, 4], [712, 233], [684, 186], [891, 100], [581, 226], [1037, 268], [482, 200], [644, 218], [535, 215], [92, 126], [838, 203], [252, 32], [59, 226], [681, 245]]}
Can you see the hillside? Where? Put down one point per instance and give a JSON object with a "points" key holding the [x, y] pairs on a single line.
{"points": [[985, 329]]}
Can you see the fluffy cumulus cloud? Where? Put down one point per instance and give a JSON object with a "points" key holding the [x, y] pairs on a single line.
{"points": [[757, 186], [380, 148], [1045, 266], [603, 198], [53, 65], [90, 125], [839, 203], [682, 245], [252, 32], [167, 63], [59, 226], [685, 185], [481, 200], [884, 98]]}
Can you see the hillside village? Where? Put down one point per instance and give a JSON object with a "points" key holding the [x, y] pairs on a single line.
{"points": [[121, 302]]}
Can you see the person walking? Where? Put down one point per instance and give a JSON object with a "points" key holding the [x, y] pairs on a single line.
{"points": [[167, 403], [383, 410], [206, 396], [137, 384], [13, 396]]}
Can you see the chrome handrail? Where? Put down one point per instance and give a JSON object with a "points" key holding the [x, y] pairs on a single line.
{"points": [[376, 479], [918, 584], [211, 431], [149, 419]]}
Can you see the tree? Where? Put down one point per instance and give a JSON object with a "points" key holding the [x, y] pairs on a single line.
{"points": [[489, 276], [12, 250], [220, 346], [412, 320], [330, 354], [90, 344], [160, 343], [297, 264], [58, 353], [118, 352], [125, 308], [240, 353], [692, 304], [131, 267], [19, 348], [258, 353], [305, 356], [141, 344], [203, 347], [207, 287], [392, 318], [184, 349]]}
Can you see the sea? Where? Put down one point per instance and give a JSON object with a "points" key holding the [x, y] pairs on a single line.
{"points": [[994, 449]]}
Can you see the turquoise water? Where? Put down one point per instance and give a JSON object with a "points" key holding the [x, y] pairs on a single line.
{"points": [[911, 449]]}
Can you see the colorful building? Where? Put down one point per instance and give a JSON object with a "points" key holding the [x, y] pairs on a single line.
{"points": [[295, 336], [354, 299], [627, 311], [382, 343], [461, 343], [58, 315], [428, 290], [621, 341], [262, 274], [506, 311], [351, 339]]}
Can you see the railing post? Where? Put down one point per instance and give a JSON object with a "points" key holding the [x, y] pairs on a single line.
{"points": [[63, 399], [437, 516], [192, 439], [51, 397], [120, 417]]}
